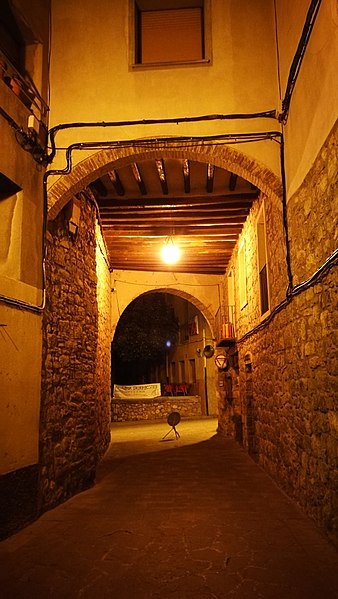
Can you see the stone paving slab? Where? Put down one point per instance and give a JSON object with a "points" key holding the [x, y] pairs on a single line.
{"points": [[183, 518]]}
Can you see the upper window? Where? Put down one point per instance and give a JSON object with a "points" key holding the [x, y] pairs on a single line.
{"points": [[11, 40], [173, 33], [243, 300], [262, 262], [21, 57]]}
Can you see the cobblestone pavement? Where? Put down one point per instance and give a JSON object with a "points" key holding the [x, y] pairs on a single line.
{"points": [[187, 518]]}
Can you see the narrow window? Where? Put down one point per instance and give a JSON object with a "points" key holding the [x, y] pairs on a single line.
{"points": [[231, 301], [21, 57], [11, 41], [192, 373], [173, 372], [9, 211], [242, 276], [182, 371], [262, 263]]}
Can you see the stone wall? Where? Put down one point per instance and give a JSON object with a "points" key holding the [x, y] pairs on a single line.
{"points": [[155, 409], [103, 348], [294, 400], [283, 406], [312, 213], [74, 422], [236, 419]]}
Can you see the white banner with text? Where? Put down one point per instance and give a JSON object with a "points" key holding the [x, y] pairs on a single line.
{"points": [[137, 391]]}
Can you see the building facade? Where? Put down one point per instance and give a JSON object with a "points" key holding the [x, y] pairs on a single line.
{"points": [[270, 67]]}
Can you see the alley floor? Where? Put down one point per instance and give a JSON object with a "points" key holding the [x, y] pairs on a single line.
{"points": [[186, 518]]}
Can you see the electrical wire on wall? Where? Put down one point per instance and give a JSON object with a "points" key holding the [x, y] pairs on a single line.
{"points": [[298, 58], [15, 302], [222, 139], [332, 260], [178, 120]]}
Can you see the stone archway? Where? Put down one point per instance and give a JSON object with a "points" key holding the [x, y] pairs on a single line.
{"points": [[98, 164], [72, 386], [195, 383], [203, 309]]}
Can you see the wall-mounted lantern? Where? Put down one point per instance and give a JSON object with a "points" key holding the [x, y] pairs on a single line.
{"points": [[73, 218]]}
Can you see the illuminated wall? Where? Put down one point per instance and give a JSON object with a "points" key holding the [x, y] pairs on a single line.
{"points": [[93, 78], [21, 279], [285, 381], [75, 412]]}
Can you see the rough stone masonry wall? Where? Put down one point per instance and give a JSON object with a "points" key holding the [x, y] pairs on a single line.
{"points": [[234, 387], [103, 348], [288, 371], [295, 379], [155, 409], [312, 213], [74, 426]]}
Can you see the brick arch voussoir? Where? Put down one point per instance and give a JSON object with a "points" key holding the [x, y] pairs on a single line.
{"points": [[98, 164]]}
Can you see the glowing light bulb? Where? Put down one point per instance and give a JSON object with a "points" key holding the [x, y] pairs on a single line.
{"points": [[170, 253]]}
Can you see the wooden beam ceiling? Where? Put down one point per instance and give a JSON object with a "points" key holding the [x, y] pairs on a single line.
{"points": [[201, 205]]}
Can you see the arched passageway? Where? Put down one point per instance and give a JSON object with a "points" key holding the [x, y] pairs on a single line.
{"points": [[84, 302], [161, 339]]}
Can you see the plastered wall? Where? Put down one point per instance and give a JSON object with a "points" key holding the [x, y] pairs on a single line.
{"points": [[314, 104], [104, 86]]}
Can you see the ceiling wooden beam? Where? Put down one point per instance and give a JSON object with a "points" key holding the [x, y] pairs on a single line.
{"points": [[116, 181], [232, 182], [210, 177], [162, 175], [185, 220], [186, 175], [153, 257], [108, 213], [162, 230], [178, 268], [138, 178], [235, 200], [98, 188]]}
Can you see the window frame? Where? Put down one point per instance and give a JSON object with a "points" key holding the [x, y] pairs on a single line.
{"points": [[192, 370], [13, 43], [242, 275], [181, 371], [22, 69], [262, 263], [206, 41]]}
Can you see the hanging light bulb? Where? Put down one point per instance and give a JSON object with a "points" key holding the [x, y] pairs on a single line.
{"points": [[170, 252]]}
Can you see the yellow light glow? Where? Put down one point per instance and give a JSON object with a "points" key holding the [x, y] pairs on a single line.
{"points": [[170, 252]]}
